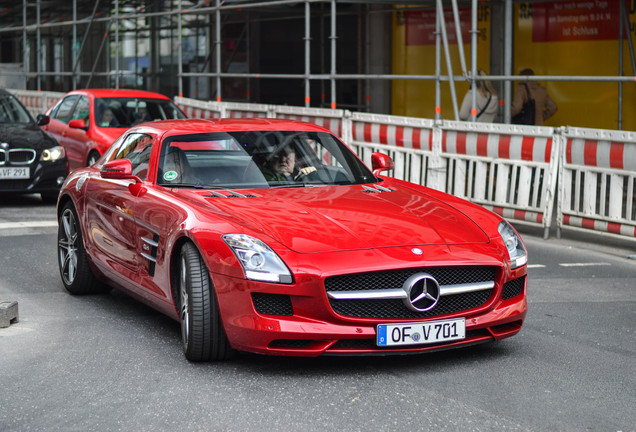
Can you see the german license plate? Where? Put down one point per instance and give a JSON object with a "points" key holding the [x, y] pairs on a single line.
{"points": [[421, 333], [15, 173]]}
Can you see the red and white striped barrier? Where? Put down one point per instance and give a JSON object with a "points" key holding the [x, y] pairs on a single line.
{"points": [[200, 109], [409, 141], [331, 119], [246, 110], [508, 169], [37, 102], [598, 188]]}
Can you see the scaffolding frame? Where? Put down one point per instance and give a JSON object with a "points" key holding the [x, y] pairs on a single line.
{"points": [[333, 76]]}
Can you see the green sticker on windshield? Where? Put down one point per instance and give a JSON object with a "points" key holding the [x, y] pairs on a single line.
{"points": [[170, 175]]}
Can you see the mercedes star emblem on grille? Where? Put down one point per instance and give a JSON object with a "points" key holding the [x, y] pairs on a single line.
{"points": [[422, 292]]}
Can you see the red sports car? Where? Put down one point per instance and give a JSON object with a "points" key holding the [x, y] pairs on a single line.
{"points": [[87, 122], [271, 236]]}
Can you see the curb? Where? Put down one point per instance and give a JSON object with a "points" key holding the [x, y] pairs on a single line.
{"points": [[8, 313]]}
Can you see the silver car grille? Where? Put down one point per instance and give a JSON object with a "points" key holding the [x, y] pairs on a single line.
{"points": [[17, 156]]}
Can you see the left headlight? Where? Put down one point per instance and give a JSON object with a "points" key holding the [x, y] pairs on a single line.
{"points": [[516, 249], [259, 261], [52, 154]]}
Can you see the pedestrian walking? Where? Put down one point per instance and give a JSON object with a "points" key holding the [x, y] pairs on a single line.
{"points": [[531, 104]]}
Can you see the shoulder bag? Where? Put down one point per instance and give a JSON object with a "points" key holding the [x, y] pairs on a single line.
{"points": [[526, 115]]}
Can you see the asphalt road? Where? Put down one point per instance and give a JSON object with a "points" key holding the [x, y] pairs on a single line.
{"points": [[102, 363]]}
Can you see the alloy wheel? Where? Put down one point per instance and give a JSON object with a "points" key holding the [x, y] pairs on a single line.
{"points": [[67, 247]]}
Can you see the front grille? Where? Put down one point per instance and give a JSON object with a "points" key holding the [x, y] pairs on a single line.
{"points": [[272, 304], [395, 308], [513, 288], [21, 156], [396, 278]]}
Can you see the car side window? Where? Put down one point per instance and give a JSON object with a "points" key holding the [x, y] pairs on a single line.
{"points": [[63, 110], [81, 110], [136, 147]]}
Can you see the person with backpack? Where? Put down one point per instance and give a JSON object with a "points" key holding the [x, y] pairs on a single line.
{"points": [[529, 95]]}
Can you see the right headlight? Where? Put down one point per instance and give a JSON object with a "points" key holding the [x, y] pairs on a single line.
{"points": [[514, 245], [259, 261], [52, 154]]}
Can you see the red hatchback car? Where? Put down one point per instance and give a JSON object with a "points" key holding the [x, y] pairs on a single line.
{"points": [[86, 122], [271, 236]]}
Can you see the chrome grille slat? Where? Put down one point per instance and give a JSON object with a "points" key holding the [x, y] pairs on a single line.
{"points": [[399, 293]]}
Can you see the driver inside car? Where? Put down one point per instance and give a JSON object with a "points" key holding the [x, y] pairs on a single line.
{"points": [[282, 166]]}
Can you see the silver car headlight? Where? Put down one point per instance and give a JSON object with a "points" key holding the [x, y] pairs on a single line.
{"points": [[52, 154], [259, 261], [516, 249]]}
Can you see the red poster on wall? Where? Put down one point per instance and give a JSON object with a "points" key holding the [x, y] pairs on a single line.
{"points": [[420, 26], [582, 20]]}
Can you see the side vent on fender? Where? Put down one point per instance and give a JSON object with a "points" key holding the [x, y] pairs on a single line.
{"points": [[232, 194], [150, 245], [376, 189]]}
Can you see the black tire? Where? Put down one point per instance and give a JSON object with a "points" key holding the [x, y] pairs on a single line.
{"points": [[202, 331], [75, 271], [92, 158]]}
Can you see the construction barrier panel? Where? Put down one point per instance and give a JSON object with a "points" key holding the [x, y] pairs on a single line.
{"points": [[409, 142], [598, 182], [509, 169], [200, 109], [37, 102], [331, 119]]}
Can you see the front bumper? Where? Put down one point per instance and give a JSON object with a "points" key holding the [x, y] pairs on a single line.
{"points": [[310, 327], [45, 177]]}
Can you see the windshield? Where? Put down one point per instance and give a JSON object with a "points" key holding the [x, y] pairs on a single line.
{"points": [[127, 112], [12, 111], [259, 160]]}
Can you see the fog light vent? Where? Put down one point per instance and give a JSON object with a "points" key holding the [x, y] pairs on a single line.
{"points": [[513, 288], [272, 304]]}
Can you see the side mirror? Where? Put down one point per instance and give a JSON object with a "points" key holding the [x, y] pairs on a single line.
{"points": [[42, 119], [381, 162], [119, 169], [77, 124]]}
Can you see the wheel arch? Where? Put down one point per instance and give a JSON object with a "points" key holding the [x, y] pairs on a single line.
{"points": [[174, 261]]}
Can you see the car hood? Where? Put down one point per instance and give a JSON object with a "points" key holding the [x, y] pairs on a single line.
{"points": [[323, 219], [25, 136]]}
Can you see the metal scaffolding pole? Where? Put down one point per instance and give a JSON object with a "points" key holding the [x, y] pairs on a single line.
{"points": [[25, 56], [473, 60], [74, 42], [449, 66], [507, 59], [438, 69], [333, 54], [218, 50], [179, 52], [460, 39], [307, 54], [620, 70], [118, 76], [90, 23], [38, 53]]}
